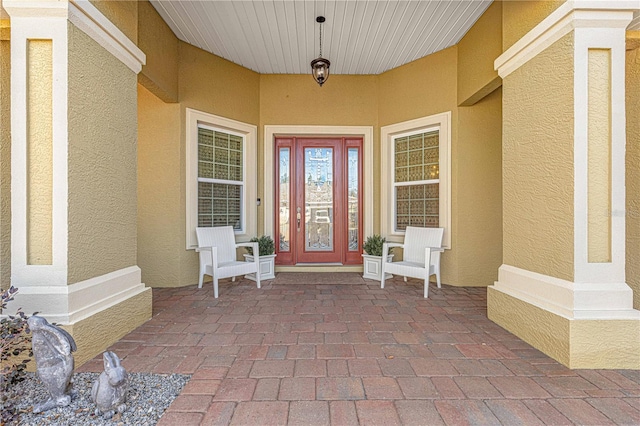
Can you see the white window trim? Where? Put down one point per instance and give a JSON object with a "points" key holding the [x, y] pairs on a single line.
{"points": [[387, 134], [249, 208]]}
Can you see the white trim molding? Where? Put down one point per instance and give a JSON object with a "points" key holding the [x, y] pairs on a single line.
{"points": [[23, 28], [443, 122], [88, 18], [270, 132], [249, 132], [635, 22], [565, 298], [566, 18], [85, 16], [612, 40], [73, 303]]}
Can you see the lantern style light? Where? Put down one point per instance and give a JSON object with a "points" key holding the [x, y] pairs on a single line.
{"points": [[320, 66]]}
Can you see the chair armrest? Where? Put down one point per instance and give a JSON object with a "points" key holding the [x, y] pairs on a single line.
{"points": [[394, 245], [254, 246], [214, 255], [436, 252], [199, 249], [386, 247], [428, 251]]}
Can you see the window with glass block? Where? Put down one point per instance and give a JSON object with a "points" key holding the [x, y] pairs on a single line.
{"points": [[417, 180], [220, 178]]}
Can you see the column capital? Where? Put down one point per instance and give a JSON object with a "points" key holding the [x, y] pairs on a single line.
{"points": [[568, 17], [85, 16]]}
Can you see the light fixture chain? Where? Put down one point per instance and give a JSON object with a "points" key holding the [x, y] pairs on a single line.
{"points": [[321, 40]]}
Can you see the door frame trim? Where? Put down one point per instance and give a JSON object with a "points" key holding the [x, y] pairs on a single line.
{"points": [[270, 132]]}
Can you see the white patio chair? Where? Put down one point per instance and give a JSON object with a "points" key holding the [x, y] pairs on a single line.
{"points": [[421, 256], [217, 250]]}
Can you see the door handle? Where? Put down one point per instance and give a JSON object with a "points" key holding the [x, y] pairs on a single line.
{"points": [[299, 218]]}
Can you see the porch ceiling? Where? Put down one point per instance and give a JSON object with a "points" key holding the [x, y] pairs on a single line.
{"points": [[359, 37]]}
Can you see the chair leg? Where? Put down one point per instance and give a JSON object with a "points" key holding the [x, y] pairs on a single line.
{"points": [[233, 279], [258, 279], [405, 279], [438, 278], [215, 287], [201, 279], [382, 279], [426, 287]]}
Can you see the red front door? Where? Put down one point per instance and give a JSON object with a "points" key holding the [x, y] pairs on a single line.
{"points": [[319, 195]]}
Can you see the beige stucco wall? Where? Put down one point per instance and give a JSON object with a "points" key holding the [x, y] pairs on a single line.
{"points": [[97, 332], [479, 152], [160, 230], [574, 343], [519, 17], [599, 156], [5, 155], [160, 45], [479, 191], [102, 160], [124, 14], [422, 88], [633, 166], [545, 331], [160, 237], [605, 344], [216, 86], [477, 51], [428, 86], [39, 152], [537, 157], [349, 100], [207, 83]]}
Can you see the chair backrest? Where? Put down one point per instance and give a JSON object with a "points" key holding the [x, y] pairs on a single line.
{"points": [[221, 237], [416, 239]]}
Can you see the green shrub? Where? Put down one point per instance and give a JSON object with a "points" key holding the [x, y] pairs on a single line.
{"points": [[15, 342], [373, 245], [266, 245]]}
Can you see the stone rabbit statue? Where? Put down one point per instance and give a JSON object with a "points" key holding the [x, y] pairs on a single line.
{"points": [[109, 391], [52, 347]]}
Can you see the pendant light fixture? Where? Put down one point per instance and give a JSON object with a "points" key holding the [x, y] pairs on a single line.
{"points": [[320, 66]]}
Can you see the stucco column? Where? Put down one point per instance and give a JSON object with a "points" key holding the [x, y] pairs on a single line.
{"points": [[73, 171], [562, 285]]}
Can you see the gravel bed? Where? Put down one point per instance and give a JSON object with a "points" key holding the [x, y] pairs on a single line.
{"points": [[148, 397]]}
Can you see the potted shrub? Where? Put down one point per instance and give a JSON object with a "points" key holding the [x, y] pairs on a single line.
{"points": [[267, 257], [372, 261]]}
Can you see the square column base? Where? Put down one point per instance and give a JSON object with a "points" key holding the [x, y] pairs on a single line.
{"points": [[112, 324], [96, 312], [609, 343]]}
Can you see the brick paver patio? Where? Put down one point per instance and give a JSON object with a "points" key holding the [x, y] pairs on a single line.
{"points": [[315, 349]]}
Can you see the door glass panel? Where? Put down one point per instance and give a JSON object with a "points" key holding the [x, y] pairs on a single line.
{"points": [[285, 204], [352, 198], [318, 196]]}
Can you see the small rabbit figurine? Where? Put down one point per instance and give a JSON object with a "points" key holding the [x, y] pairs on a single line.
{"points": [[52, 349], [109, 391]]}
